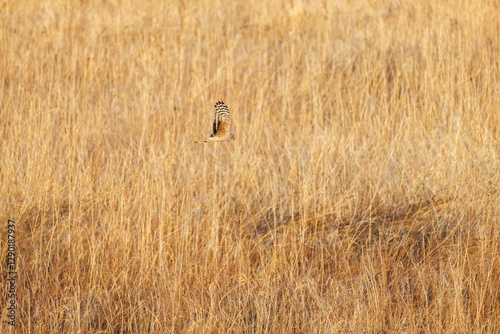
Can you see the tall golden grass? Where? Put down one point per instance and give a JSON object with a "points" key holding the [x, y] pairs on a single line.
{"points": [[360, 196]]}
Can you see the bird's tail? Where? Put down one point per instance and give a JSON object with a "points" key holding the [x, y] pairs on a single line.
{"points": [[200, 141]]}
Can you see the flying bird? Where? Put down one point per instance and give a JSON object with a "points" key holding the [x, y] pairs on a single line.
{"points": [[222, 122]]}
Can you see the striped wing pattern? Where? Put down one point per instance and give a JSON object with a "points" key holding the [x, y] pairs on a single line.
{"points": [[222, 120]]}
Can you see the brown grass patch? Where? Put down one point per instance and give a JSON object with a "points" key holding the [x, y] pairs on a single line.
{"points": [[360, 195]]}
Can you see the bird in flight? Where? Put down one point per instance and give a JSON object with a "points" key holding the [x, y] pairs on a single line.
{"points": [[222, 122]]}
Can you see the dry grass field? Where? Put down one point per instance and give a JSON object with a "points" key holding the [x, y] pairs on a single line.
{"points": [[361, 194]]}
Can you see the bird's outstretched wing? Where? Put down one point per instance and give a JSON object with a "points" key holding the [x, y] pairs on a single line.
{"points": [[222, 122], [222, 119]]}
